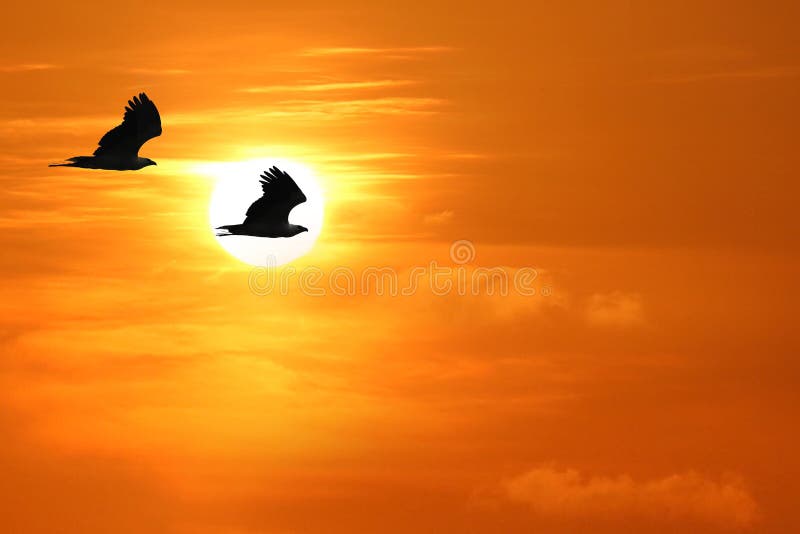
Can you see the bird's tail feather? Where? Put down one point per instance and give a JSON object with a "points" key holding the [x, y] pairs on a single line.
{"points": [[77, 161], [226, 230]]}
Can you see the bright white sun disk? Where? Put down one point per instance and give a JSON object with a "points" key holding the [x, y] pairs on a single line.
{"points": [[238, 186]]}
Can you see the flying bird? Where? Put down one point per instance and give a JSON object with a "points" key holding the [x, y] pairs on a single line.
{"points": [[119, 148], [269, 215]]}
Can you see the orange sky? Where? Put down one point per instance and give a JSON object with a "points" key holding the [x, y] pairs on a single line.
{"points": [[642, 158]]}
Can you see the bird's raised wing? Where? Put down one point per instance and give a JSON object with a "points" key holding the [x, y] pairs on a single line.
{"points": [[141, 123], [281, 195]]}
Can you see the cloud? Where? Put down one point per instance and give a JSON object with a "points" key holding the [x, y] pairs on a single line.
{"points": [[441, 217], [25, 125], [313, 109], [157, 71], [367, 156], [322, 109], [614, 309], [27, 67], [351, 50], [704, 52], [290, 109], [332, 86], [466, 155], [689, 496], [737, 74]]}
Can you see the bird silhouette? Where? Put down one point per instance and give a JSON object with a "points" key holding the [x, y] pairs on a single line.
{"points": [[119, 147], [269, 215]]}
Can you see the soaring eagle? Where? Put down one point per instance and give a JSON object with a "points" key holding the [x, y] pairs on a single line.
{"points": [[119, 148], [269, 215]]}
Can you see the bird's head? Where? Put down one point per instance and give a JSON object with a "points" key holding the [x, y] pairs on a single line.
{"points": [[141, 163], [297, 229]]}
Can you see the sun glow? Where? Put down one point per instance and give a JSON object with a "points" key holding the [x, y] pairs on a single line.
{"points": [[238, 187]]}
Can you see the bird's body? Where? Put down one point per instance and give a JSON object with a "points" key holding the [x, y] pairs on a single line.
{"points": [[269, 215], [263, 230], [111, 164], [118, 149]]}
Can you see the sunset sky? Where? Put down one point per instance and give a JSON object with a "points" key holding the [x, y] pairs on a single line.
{"points": [[642, 157]]}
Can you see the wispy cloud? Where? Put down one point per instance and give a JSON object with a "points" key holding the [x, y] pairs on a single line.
{"points": [[706, 52], [357, 50], [567, 493], [466, 155], [441, 217], [315, 109], [734, 74], [614, 309], [27, 67], [155, 71], [37, 218], [389, 105], [334, 110], [36, 125], [332, 86], [366, 157]]}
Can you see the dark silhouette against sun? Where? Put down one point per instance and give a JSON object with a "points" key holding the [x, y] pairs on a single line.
{"points": [[269, 215], [119, 148]]}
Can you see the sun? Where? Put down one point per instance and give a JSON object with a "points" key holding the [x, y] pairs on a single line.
{"points": [[238, 186]]}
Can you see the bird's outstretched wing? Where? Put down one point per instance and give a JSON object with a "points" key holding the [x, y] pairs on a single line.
{"points": [[281, 195], [141, 123]]}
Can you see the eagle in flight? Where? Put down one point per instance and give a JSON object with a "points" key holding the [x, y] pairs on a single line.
{"points": [[119, 148], [269, 215]]}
